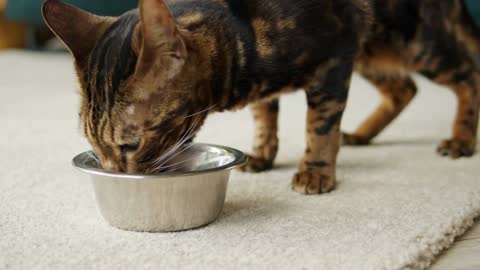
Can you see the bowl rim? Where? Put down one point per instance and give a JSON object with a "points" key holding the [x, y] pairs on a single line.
{"points": [[239, 160]]}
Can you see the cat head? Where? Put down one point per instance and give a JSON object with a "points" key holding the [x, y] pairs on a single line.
{"points": [[137, 106]]}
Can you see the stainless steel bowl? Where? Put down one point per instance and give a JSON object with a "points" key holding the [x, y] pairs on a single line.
{"points": [[190, 197]]}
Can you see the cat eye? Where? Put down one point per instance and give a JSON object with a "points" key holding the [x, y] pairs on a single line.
{"points": [[126, 148]]}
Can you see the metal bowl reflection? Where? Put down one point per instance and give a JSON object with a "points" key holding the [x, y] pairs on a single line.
{"points": [[191, 196]]}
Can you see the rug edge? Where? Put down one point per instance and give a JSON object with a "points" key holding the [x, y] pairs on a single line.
{"points": [[428, 253]]}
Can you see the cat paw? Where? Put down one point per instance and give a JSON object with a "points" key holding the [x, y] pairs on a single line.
{"points": [[351, 139], [308, 182], [456, 148], [256, 164]]}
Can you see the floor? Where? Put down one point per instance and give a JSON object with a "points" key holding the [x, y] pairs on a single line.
{"points": [[464, 255]]}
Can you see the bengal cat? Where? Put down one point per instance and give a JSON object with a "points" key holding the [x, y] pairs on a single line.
{"points": [[150, 77]]}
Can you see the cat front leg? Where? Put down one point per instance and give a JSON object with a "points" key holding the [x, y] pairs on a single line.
{"points": [[326, 104], [265, 114]]}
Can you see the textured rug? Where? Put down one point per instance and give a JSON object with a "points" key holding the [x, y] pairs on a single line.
{"points": [[397, 204]]}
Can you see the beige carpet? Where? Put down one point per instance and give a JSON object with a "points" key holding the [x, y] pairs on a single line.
{"points": [[397, 204]]}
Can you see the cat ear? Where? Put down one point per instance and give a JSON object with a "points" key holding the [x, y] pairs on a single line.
{"points": [[162, 48], [78, 29]]}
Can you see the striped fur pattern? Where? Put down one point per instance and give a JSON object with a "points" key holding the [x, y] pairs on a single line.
{"points": [[150, 77]]}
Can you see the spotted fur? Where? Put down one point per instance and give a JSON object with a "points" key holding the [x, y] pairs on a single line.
{"points": [[437, 39], [145, 75]]}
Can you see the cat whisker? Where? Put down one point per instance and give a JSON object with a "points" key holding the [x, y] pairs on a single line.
{"points": [[174, 154], [172, 166], [175, 146], [188, 135], [161, 166], [171, 170], [206, 110], [93, 157]]}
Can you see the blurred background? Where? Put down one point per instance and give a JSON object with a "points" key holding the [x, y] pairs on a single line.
{"points": [[22, 27], [21, 23]]}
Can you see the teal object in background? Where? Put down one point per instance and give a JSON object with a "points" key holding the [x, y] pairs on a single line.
{"points": [[30, 10], [473, 7]]}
